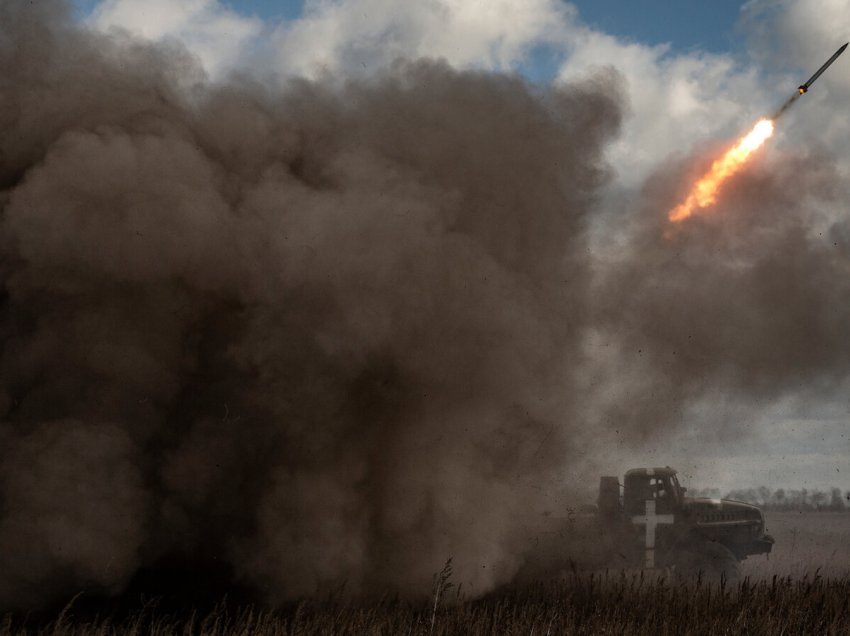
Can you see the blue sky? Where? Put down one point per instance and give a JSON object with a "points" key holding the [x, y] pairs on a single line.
{"points": [[685, 25]]}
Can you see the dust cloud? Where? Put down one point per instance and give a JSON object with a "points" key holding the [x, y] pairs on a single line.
{"points": [[323, 334], [734, 309]]}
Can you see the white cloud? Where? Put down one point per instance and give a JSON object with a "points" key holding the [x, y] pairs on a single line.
{"points": [[681, 101], [675, 101], [790, 39], [357, 35], [796, 33], [217, 36], [346, 36]]}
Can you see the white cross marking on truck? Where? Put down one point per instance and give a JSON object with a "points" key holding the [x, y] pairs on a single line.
{"points": [[651, 521]]}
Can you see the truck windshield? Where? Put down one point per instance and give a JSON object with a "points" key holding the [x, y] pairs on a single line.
{"points": [[665, 494], [675, 489]]}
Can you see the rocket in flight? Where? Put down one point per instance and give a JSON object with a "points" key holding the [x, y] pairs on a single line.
{"points": [[805, 86]]}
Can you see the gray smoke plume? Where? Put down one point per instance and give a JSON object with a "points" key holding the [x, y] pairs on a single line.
{"points": [[329, 333], [743, 305]]}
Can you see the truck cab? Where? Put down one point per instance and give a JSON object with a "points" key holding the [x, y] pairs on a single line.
{"points": [[657, 484]]}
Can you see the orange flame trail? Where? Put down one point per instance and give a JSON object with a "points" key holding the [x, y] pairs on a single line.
{"points": [[704, 192]]}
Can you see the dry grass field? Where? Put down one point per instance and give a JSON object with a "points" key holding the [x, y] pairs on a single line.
{"points": [[807, 544], [803, 588], [628, 605]]}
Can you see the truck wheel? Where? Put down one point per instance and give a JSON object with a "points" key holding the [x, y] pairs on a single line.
{"points": [[709, 562]]}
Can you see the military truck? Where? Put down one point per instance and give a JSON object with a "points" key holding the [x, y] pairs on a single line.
{"points": [[666, 529], [649, 523]]}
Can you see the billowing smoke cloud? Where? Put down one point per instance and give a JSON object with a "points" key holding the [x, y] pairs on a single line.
{"points": [[743, 305], [325, 334]]}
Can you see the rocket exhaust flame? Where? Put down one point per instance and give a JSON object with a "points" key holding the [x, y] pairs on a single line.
{"points": [[704, 193]]}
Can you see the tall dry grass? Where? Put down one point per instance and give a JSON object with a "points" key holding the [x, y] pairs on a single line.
{"points": [[582, 605]]}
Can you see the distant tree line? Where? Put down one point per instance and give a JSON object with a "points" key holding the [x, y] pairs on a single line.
{"points": [[833, 500]]}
